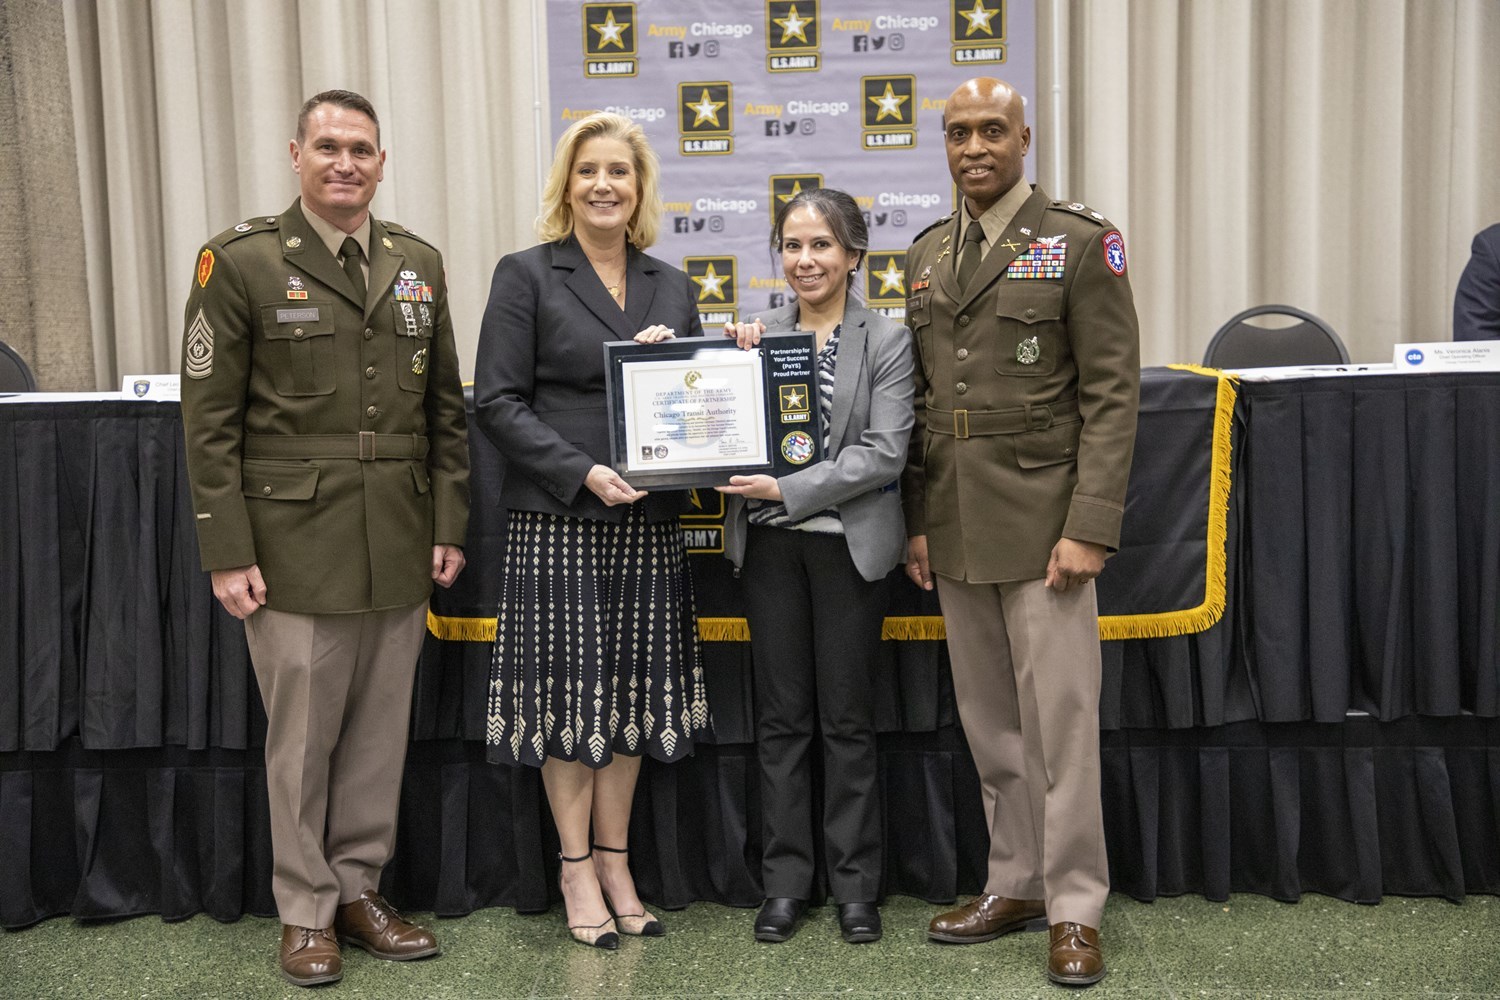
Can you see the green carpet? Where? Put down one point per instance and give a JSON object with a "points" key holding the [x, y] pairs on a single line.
{"points": [[1173, 948]]}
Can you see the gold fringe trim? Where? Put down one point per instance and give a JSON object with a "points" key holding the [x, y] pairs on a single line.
{"points": [[1191, 620], [461, 629], [914, 627], [723, 630]]}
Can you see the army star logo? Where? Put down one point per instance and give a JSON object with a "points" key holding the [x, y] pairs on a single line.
{"points": [[706, 110], [611, 32], [711, 283], [889, 103], [979, 19], [891, 278], [793, 26]]}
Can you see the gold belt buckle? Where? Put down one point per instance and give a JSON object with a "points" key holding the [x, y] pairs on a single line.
{"points": [[367, 446], [961, 424]]}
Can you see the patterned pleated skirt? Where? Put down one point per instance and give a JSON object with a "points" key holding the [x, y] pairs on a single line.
{"points": [[596, 643]]}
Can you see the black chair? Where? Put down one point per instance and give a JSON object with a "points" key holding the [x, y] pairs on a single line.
{"points": [[15, 376], [1243, 344]]}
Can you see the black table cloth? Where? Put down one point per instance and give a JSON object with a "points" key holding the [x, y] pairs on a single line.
{"points": [[1361, 556]]}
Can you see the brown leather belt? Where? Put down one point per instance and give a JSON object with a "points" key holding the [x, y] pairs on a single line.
{"points": [[1015, 420], [367, 446]]}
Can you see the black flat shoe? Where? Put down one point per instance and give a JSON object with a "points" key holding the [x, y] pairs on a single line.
{"points": [[859, 922], [777, 919]]}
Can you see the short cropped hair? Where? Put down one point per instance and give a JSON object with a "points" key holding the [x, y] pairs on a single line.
{"points": [[340, 98], [845, 221], [556, 220]]}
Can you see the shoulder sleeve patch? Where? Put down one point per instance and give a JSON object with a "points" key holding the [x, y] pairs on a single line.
{"points": [[205, 267]]}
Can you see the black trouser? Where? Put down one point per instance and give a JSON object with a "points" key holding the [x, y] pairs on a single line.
{"points": [[814, 637]]}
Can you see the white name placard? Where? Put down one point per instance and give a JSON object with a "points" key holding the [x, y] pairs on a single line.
{"points": [[1460, 356], [156, 388]]}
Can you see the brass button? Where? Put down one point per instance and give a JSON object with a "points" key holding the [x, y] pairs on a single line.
{"points": [[963, 353], [1031, 314], [370, 411], [266, 490], [297, 333], [369, 333], [270, 218], [1067, 451], [962, 387], [370, 372], [963, 321]]}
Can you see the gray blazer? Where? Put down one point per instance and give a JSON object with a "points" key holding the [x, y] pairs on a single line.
{"points": [[870, 428]]}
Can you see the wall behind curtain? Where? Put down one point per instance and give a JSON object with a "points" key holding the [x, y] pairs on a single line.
{"points": [[185, 109], [1337, 155]]}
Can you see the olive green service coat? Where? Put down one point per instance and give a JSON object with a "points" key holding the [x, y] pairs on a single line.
{"points": [[326, 437], [1027, 389]]}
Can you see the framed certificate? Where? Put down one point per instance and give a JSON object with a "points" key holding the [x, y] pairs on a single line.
{"points": [[694, 411]]}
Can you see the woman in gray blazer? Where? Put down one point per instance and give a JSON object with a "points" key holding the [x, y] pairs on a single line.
{"points": [[814, 548]]}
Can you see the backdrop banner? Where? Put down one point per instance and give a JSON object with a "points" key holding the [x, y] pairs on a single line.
{"points": [[747, 104]]}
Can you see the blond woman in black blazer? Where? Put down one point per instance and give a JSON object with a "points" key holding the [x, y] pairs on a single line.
{"points": [[596, 659], [814, 547]]}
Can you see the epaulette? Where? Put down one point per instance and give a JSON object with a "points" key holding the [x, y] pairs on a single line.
{"points": [[1079, 208], [259, 224], [946, 218], [400, 230]]}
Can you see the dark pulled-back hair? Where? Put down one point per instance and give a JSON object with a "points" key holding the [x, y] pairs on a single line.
{"points": [[845, 221]]}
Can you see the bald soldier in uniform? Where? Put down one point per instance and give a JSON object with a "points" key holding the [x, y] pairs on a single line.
{"points": [[328, 457], [1027, 390]]}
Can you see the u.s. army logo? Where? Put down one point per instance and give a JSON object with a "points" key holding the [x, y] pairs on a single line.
{"points": [[785, 187], [792, 36], [889, 111], [715, 278], [198, 352], [978, 31], [885, 281], [609, 46], [705, 116]]}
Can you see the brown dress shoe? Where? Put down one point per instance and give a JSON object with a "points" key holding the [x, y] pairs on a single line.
{"points": [[310, 956], [374, 925], [986, 917], [1074, 958]]}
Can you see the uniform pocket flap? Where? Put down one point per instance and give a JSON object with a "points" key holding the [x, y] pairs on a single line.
{"points": [[1051, 446], [1031, 302], [278, 481], [419, 478]]}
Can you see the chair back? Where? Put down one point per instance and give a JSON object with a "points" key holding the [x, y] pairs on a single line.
{"points": [[1243, 344], [15, 376]]}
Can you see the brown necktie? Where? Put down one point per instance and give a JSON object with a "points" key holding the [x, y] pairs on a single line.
{"points": [[350, 252], [968, 261]]}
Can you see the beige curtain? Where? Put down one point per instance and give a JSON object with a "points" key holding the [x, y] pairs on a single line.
{"points": [[1336, 155], [185, 109]]}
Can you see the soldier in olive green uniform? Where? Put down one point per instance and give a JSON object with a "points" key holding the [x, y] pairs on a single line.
{"points": [[1027, 390], [328, 457]]}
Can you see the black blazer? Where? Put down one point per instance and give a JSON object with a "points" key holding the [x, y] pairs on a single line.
{"points": [[539, 373]]}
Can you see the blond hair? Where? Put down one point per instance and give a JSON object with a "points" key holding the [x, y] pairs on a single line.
{"points": [[556, 220]]}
